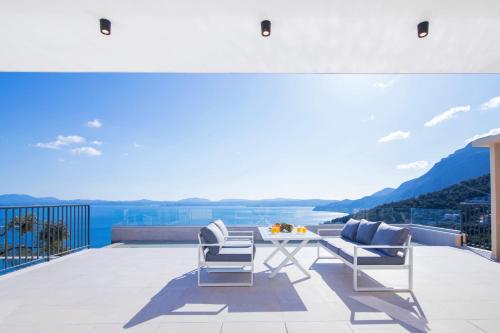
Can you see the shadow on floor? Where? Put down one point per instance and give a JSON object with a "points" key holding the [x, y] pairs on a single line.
{"points": [[182, 296], [400, 308]]}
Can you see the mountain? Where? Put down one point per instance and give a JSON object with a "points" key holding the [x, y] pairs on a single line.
{"points": [[466, 163], [475, 190], [194, 201], [23, 199]]}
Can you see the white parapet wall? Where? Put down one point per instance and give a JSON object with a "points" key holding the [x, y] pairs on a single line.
{"points": [[183, 233], [435, 236], [420, 233]]}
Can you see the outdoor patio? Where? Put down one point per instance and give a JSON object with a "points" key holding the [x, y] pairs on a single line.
{"points": [[153, 289]]}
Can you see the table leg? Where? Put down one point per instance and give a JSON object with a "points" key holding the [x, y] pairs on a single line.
{"points": [[276, 250], [289, 257]]}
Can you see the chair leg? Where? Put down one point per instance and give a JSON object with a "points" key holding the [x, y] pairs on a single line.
{"points": [[410, 278], [251, 275], [355, 278], [199, 278], [333, 256], [410, 269]]}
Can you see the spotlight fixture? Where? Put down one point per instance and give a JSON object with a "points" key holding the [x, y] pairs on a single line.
{"points": [[265, 28], [423, 29], [105, 26]]}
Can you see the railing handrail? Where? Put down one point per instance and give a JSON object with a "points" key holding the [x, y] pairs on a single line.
{"points": [[40, 206]]}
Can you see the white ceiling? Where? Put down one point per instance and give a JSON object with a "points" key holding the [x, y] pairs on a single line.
{"points": [[308, 36]]}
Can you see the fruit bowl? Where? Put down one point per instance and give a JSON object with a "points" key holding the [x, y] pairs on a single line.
{"points": [[283, 227]]}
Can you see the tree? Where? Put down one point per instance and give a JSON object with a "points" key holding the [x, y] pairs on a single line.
{"points": [[44, 236]]}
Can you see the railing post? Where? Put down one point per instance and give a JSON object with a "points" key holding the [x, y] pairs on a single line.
{"points": [[6, 236], [48, 233], [20, 239], [88, 226]]}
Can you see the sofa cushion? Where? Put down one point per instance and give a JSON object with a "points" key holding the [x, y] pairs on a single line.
{"points": [[211, 234], [232, 254], [334, 244], [365, 232], [222, 227], [389, 235], [370, 257], [350, 229]]}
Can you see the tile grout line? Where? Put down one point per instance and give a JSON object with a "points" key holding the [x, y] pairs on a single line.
{"points": [[473, 324], [350, 327]]}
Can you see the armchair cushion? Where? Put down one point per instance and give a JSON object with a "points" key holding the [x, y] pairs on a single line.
{"points": [[222, 227], [389, 235], [211, 234], [350, 229], [232, 254], [365, 232]]}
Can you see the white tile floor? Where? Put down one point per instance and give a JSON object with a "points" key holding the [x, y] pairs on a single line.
{"points": [[154, 290]]}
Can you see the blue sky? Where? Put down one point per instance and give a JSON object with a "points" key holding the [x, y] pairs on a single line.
{"points": [[172, 136]]}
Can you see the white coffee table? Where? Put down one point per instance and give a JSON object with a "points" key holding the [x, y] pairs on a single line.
{"points": [[280, 240]]}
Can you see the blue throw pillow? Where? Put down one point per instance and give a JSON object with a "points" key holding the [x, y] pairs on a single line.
{"points": [[389, 235], [211, 234], [350, 229], [366, 230]]}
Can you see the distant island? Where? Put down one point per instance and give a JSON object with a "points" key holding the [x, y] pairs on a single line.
{"points": [[24, 199]]}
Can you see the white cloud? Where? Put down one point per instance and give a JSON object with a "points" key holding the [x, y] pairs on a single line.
{"points": [[394, 136], [97, 142], [384, 85], [61, 141], [96, 123], [493, 131], [447, 115], [89, 151], [136, 145], [413, 165], [491, 104]]}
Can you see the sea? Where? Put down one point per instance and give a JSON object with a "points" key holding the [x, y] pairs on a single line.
{"points": [[104, 217]]}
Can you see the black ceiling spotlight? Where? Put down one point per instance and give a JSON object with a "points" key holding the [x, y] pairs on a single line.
{"points": [[423, 29], [265, 28], [105, 26]]}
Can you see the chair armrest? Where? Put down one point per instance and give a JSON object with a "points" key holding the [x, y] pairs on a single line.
{"points": [[219, 244], [241, 232], [239, 237], [250, 234]]}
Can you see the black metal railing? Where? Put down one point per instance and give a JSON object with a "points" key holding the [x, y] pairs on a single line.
{"points": [[30, 234], [476, 224]]}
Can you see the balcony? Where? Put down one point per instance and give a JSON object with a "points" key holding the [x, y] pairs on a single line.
{"points": [[152, 288]]}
